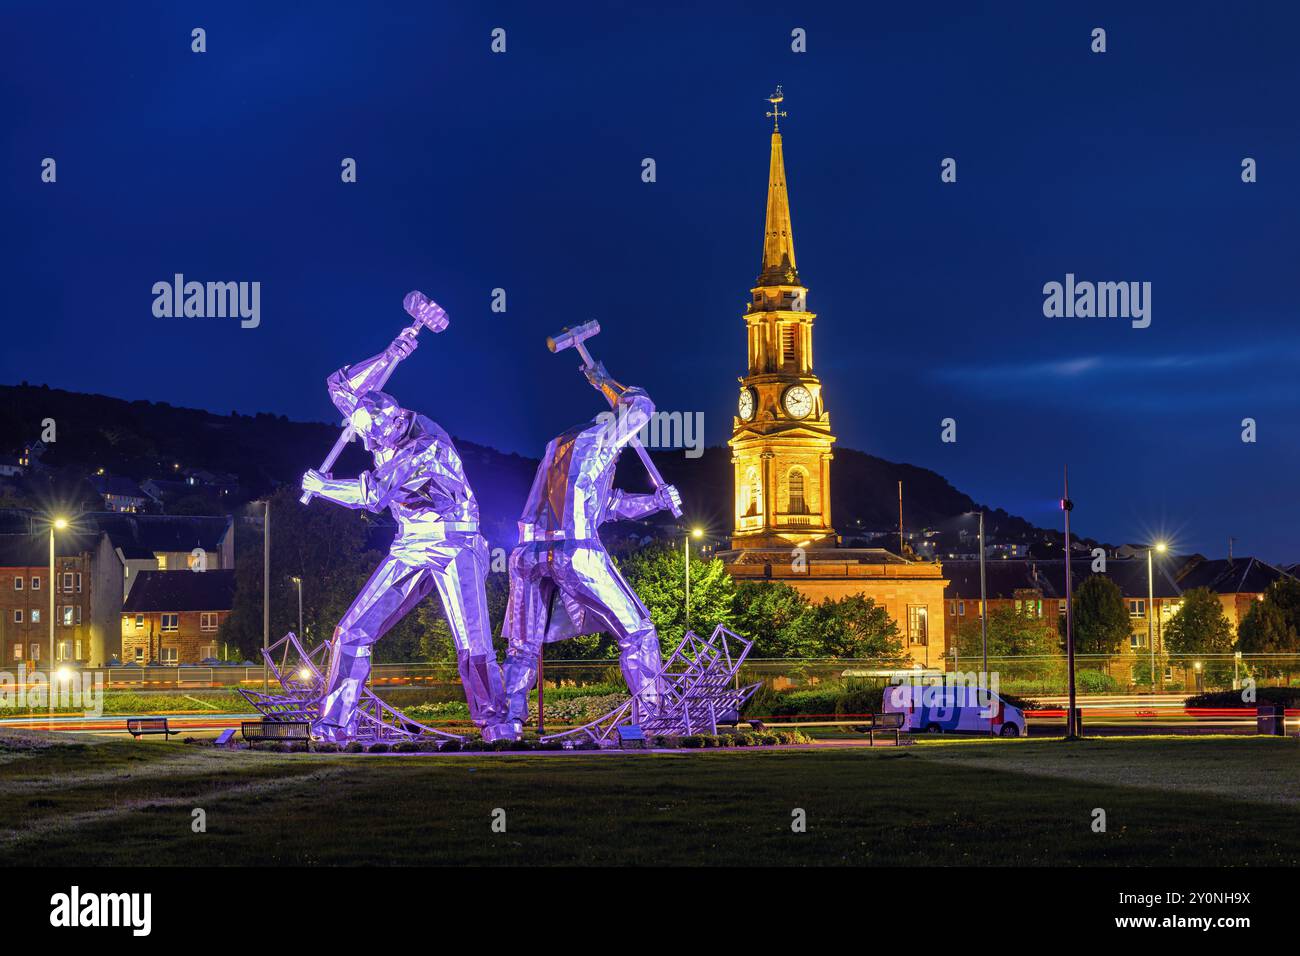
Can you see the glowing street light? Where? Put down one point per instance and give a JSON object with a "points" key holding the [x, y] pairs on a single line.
{"points": [[58, 524], [686, 547], [1162, 547]]}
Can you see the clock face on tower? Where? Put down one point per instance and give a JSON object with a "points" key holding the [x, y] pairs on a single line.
{"points": [[745, 407], [798, 401]]}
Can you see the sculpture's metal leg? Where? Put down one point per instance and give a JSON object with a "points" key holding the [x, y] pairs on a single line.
{"points": [[527, 614], [590, 577], [392, 590], [459, 580]]}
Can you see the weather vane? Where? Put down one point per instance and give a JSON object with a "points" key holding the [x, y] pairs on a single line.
{"points": [[776, 114]]}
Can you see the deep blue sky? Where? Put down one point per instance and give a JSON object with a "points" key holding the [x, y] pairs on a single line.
{"points": [[523, 171]]}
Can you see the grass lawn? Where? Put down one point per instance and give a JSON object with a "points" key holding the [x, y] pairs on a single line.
{"points": [[1174, 801]]}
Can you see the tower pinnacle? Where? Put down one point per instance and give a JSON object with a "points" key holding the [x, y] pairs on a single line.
{"points": [[778, 238]]}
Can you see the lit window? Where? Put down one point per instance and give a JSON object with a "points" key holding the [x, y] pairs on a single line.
{"points": [[69, 614], [918, 624], [36, 615], [797, 505], [18, 652]]}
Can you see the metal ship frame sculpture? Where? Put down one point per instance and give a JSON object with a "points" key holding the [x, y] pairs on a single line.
{"points": [[302, 677], [699, 687]]}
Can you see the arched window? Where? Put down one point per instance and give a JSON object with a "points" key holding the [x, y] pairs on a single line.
{"points": [[798, 506], [753, 493]]}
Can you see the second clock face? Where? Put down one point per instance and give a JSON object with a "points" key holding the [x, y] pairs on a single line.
{"points": [[798, 401], [746, 404]]}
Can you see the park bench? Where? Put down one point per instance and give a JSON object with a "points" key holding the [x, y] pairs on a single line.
{"points": [[732, 719], [254, 731], [138, 727], [874, 722]]}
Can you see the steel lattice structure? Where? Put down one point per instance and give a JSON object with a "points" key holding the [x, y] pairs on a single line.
{"points": [[700, 685], [302, 681]]}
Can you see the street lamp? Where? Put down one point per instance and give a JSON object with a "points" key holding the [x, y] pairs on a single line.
{"points": [[1071, 715], [298, 581], [1151, 608], [984, 604], [58, 524], [686, 550]]}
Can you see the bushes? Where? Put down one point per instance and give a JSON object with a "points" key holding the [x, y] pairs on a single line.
{"points": [[1286, 696], [1095, 682], [851, 697]]}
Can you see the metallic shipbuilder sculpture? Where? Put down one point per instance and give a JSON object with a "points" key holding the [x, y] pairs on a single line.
{"points": [[419, 478], [562, 581]]}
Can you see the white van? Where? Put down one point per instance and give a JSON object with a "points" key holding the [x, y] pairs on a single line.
{"points": [[953, 708]]}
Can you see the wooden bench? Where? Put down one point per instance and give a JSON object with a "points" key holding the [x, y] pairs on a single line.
{"points": [[876, 722], [254, 731], [732, 719], [139, 727]]}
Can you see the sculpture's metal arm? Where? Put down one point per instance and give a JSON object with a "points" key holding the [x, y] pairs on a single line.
{"points": [[626, 504], [349, 492], [632, 406], [352, 381]]}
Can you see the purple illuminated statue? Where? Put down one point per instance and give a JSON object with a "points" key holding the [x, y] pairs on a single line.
{"points": [[562, 581], [418, 477]]}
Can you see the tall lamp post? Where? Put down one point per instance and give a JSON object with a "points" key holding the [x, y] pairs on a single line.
{"points": [[984, 603], [298, 581], [58, 524], [266, 593], [1151, 607], [686, 550], [1071, 715]]}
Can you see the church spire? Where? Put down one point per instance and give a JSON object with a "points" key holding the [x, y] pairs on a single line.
{"points": [[778, 238]]}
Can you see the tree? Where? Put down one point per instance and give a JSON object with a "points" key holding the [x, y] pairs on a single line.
{"points": [[1266, 630], [768, 613], [1101, 621], [1201, 628], [657, 574], [854, 626], [1012, 635]]}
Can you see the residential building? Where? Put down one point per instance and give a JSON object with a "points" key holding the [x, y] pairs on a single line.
{"points": [[173, 617]]}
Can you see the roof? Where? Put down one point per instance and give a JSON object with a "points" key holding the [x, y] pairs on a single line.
{"points": [[33, 550], [161, 532], [1236, 576], [1173, 575], [181, 591], [116, 485]]}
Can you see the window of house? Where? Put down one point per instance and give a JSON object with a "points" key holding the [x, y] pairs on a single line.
{"points": [[18, 615], [207, 651], [69, 615], [65, 650], [36, 615], [208, 621], [797, 505], [1060, 608], [68, 579], [1137, 607], [18, 583], [1136, 639], [139, 655], [36, 651], [961, 608], [18, 652], [36, 583], [170, 622], [139, 622], [77, 647], [78, 582], [169, 655], [918, 624], [162, 562]]}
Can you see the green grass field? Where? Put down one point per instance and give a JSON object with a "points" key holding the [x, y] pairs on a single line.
{"points": [[1174, 801]]}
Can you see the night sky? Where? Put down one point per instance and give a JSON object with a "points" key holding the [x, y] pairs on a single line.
{"points": [[523, 171]]}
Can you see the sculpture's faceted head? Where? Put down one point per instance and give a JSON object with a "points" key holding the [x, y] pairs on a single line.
{"points": [[379, 420]]}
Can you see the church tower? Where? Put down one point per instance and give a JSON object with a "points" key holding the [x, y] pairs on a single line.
{"points": [[781, 435]]}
